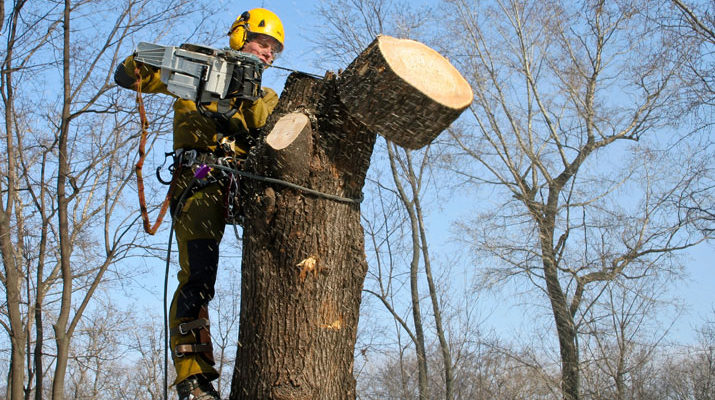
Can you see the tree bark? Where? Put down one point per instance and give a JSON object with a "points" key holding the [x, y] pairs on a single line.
{"points": [[16, 373], [12, 276], [304, 261], [563, 319]]}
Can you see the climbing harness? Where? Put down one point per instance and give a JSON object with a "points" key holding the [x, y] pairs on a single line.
{"points": [[205, 175], [206, 164]]}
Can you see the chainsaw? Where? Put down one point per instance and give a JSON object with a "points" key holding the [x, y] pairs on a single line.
{"points": [[204, 74]]}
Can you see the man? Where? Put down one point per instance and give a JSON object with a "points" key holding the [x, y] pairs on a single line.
{"points": [[200, 214]]}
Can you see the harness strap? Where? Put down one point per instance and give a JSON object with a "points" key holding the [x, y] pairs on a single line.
{"points": [[183, 349], [186, 327], [199, 329]]}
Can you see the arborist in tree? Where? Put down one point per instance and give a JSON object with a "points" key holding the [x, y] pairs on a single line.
{"points": [[205, 135]]}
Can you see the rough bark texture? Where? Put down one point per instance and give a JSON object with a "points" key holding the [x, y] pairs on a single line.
{"points": [[563, 317], [303, 257], [408, 96]]}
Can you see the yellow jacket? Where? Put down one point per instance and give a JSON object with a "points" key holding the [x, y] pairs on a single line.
{"points": [[192, 130]]}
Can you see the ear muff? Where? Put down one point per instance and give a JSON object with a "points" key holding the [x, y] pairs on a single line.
{"points": [[239, 31], [258, 21]]}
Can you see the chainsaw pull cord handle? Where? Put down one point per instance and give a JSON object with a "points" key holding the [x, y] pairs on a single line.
{"points": [[148, 227]]}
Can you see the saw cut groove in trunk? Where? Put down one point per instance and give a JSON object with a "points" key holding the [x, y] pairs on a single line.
{"points": [[404, 90]]}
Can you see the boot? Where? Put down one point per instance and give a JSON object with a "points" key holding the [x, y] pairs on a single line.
{"points": [[196, 388]]}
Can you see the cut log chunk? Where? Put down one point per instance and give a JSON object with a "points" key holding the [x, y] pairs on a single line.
{"points": [[404, 91]]}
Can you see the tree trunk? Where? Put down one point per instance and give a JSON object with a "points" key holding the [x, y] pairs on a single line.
{"points": [[565, 327], [12, 277], [16, 373], [568, 339], [304, 257], [410, 206], [303, 260], [62, 338]]}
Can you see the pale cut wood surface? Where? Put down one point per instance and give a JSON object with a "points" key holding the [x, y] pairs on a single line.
{"points": [[426, 70], [286, 129]]}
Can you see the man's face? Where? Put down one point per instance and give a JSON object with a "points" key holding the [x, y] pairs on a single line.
{"points": [[262, 46]]}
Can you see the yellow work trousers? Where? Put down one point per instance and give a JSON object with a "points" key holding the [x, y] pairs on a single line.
{"points": [[199, 224]]}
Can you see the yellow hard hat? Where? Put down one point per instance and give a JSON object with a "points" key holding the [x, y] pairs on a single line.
{"points": [[256, 21]]}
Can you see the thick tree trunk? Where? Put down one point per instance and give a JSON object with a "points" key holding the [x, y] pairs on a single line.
{"points": [[303, 257], [304, 261]]}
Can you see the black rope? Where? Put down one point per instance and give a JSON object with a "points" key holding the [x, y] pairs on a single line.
{"points": [[288, 184], [166, 316], [166, 286], [295, 70]]}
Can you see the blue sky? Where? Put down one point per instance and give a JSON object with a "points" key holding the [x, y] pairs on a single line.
{"points": [[301, 23]]}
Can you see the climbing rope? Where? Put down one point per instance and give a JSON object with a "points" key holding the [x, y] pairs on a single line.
{"points": [[166, 291], [148, 227], [166, 312]]}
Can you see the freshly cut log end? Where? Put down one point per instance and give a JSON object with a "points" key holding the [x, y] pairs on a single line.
{"points": [[404, 90], [426, 70], [287, 129]]}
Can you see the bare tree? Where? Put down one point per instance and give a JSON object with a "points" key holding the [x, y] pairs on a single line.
{"points": [[621, 334], [97, 352], [145, 377], [63, 222], [694, 22], [224, 331], [561, 90], [415, 177], [487, 370], [117, 352], [691, 374]]}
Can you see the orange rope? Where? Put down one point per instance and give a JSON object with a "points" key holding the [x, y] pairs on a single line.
{"points": [[148, 227]]}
